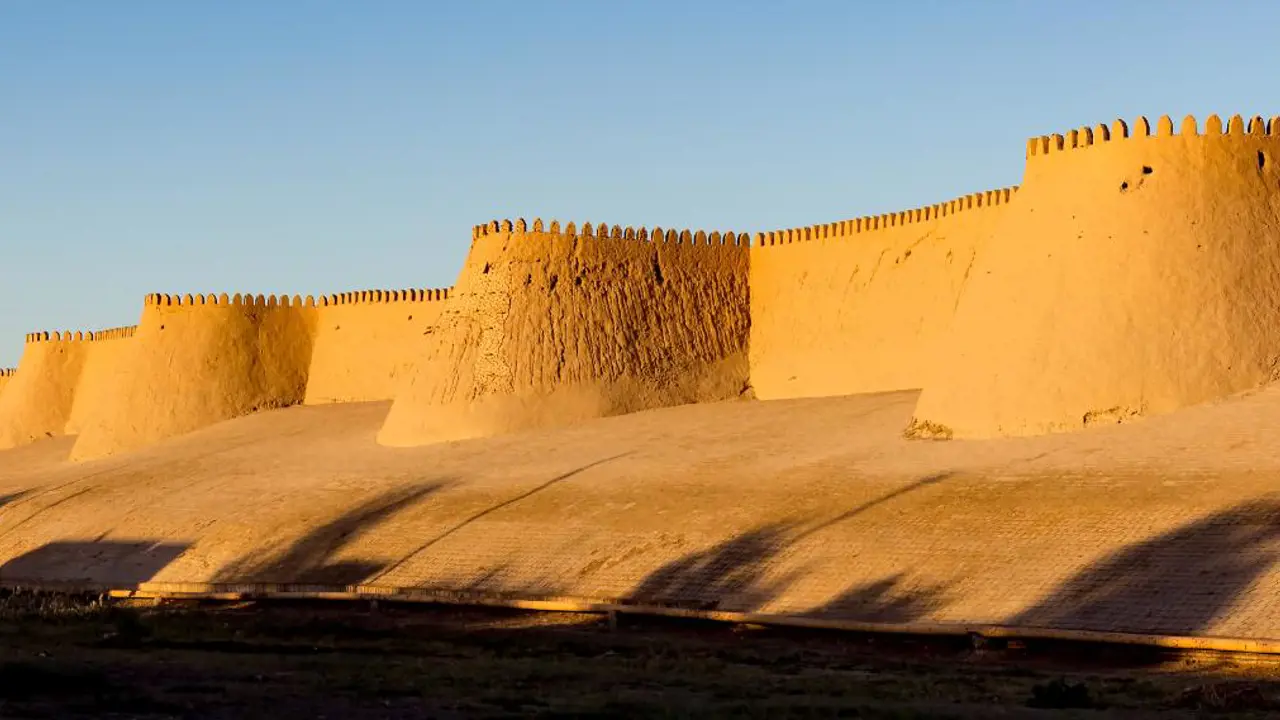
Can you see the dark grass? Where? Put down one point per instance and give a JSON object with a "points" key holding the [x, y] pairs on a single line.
{"points": [[67, 655]]}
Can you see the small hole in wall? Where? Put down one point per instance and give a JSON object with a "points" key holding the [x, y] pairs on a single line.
{"points": [[552, 285], [486, 269], [528, 280], [410, 317], [1262, 159], [577, 281], [161, 327], [1124, 186], [1146, 170]]}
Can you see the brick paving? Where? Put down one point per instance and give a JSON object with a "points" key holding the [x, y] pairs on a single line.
{"points": [[807, 507]]}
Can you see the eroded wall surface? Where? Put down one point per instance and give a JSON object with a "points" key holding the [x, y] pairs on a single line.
{"points": [[199, 361], [546, 328], [366, 342], [1136, 273], [863, 305]]}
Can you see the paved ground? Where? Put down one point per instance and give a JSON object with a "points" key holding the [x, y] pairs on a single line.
{"points": [[819, 507]]}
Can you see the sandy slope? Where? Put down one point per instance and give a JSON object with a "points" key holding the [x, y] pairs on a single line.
{"points": [[813, 505]]}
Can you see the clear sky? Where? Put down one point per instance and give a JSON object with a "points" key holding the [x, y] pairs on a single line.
{"points": [[320, 146]]}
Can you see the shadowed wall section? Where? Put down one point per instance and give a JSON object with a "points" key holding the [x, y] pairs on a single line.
{"points": [[863, 305], [1135, 274], [108, 356], [198, 361], [46, 395], [365, 342], [548, 327], [37, 401]]}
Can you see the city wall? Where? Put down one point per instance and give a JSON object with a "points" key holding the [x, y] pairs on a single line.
{"points": [[1132, 272], [1136, 273], [365, 342], [108, 355], [40, 398], [863, 305], [549, 326], [198, 361], [202, 359]]}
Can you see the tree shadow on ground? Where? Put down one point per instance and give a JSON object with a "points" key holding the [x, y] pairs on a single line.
{"points": [[731, 572], [1181, 582], [1178, 583], [310, 559], [740, 574], [888, 600], [109, 563], [476, 517], [12, 497]]}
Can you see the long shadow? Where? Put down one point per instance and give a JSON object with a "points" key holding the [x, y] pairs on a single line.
{"points": [[1177, 583], [851, 513], [309, 560], [731, 572], [13, 496], [884, 601], [111, 564], [489, 511], [736, 574]]}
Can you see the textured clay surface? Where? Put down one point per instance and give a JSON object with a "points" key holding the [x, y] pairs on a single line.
{"points": [[550, 328], [1127, 278]]}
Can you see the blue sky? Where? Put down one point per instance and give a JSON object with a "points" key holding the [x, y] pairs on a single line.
{"points": [[320, 146]]}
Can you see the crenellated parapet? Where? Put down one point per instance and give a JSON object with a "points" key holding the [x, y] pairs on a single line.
{"points": [[82, 336], [1089, 136], [604, 231], [8, 372], [874, 223], [380, 296], [167, 300], [346, 298]]}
